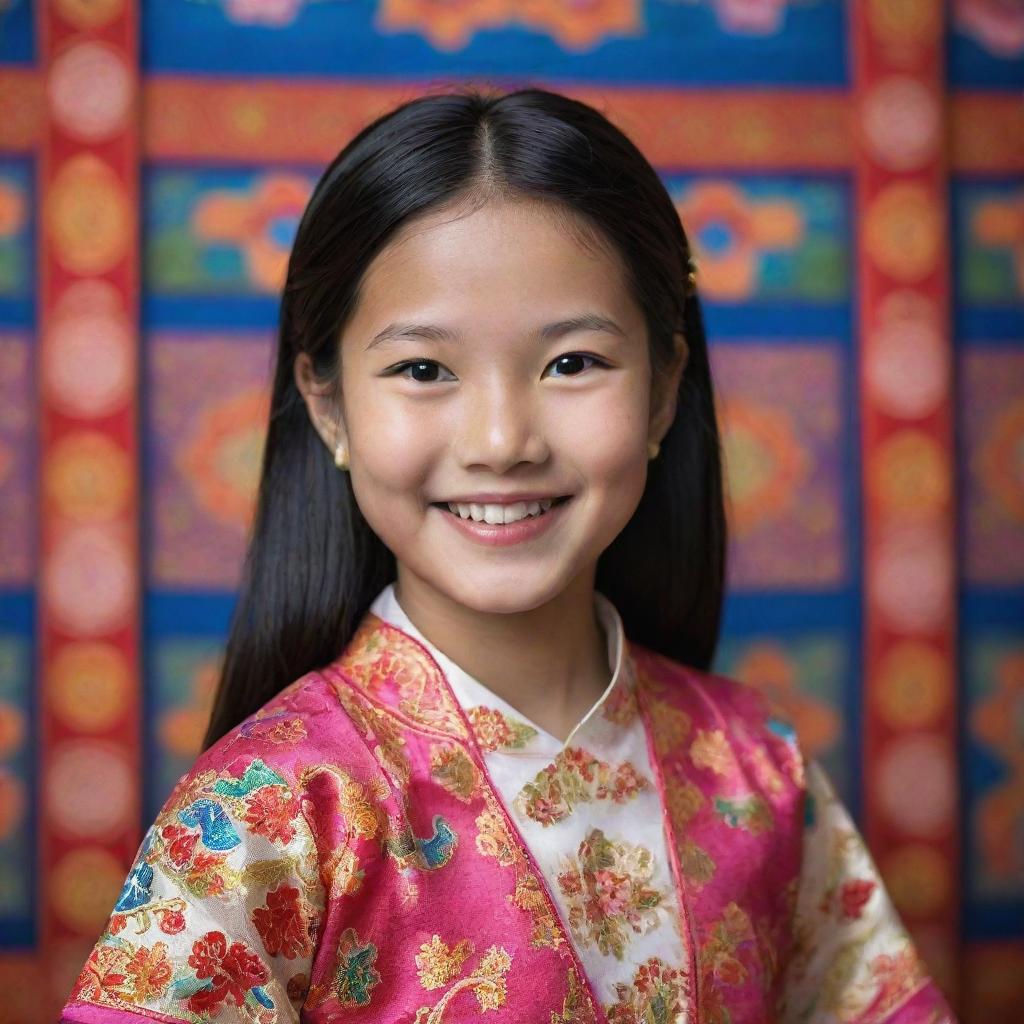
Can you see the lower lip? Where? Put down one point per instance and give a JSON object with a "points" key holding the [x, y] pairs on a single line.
{"points": [[506, 534]]}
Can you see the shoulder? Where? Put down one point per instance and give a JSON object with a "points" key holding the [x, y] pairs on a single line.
{"points": [[672, 680], [712, 702], [303, 726]]}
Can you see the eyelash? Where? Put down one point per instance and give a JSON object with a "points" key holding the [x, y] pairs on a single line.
{"points": [[400, 368]]}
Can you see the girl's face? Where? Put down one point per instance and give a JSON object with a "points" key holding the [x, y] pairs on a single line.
{"points": [[464, 381]]}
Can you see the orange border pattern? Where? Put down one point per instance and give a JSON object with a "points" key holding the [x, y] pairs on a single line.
{"points": [[911, 812], [264, 121], [89, 585]]}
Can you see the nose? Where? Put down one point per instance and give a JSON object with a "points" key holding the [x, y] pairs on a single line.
{"points": [[500, 428]]}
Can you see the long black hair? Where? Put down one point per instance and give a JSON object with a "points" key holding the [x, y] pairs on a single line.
{"points": [[313, 565]]}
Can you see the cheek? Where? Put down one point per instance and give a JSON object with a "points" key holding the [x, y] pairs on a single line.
{"points": [[392, 453], [606, 437]]}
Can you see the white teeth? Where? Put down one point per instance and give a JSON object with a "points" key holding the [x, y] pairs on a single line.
{"points": [[497, 515]]}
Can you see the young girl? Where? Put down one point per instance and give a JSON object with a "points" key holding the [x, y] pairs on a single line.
{"points": [[467, 759]]}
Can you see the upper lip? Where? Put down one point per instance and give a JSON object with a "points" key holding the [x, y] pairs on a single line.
{"points": [[493, 498]]}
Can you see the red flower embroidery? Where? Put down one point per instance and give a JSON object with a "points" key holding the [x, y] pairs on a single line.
{"points": [[282, 925], [171, 921], [180, 843], [269, 812], [204, 874], [854, 894], [117, 923], [233, 970]]}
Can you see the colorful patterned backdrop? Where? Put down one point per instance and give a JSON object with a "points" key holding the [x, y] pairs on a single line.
{"points": [[851, 176]]}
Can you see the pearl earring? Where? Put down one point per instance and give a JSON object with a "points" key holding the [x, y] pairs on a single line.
{"points": [[652, 449], [340, 457]]}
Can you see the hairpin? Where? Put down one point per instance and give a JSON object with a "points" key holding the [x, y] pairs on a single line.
{"points": [[691, 276]]}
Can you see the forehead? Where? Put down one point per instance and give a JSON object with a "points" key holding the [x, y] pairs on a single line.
{"points": [[502, 259]]}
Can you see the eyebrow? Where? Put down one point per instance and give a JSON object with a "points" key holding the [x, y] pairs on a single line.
{"points": [[434, 332]]}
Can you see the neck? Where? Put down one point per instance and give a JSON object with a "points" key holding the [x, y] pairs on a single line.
{"points": [[550, 663]]}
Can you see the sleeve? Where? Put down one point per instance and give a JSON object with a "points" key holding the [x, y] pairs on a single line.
{"points": [[219, 916], [852, 959]]}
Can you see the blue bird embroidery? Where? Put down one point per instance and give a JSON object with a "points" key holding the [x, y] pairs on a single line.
{"points": [[218, 832]]}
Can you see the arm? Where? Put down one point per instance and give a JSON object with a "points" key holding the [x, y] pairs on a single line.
{"points": [[852, 960], [219, 916]]}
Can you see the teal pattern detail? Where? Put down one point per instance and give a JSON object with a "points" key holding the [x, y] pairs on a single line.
{"points": [[356, 975], [428, 854], [256, 774]]}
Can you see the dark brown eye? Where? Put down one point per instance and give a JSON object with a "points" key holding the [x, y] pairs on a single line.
{"points": [[423, 371], [573, 363]]}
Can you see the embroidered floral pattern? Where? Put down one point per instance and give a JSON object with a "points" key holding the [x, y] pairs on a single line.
{"points": [[574, 777], [493, 839], [656, 996], [495, 730], [576, 1008], [670, 726], [451, 766], [381, 731], [437, 964], [721, 960], [620, 707], [684, 800], [133, 974], [358, 806], [529, 896], [607, 889], [284, 924], [696, 864], [270, 812], [356, 975], [233, 969], [711, 750]]}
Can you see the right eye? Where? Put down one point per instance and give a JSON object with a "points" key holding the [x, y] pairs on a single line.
{"points": [[422, 371]]}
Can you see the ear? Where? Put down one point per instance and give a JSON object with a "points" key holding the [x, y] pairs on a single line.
{"points": [[665, 390], [322, 403]]}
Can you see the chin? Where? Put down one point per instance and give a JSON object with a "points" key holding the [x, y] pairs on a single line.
{"points": [[503, 593]]}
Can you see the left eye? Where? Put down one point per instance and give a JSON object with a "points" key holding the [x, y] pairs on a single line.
{"points": [[571, 363]]}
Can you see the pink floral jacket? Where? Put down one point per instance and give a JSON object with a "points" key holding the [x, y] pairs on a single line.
{"points": [[343, 855]]}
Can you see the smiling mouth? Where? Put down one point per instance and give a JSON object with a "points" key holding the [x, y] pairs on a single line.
{"points": [[500, 515]]}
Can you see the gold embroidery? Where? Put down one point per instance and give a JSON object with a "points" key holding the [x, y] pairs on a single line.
{"points": [[382, 733], [711, 750], [529, 896], [452, 767], [383, 659], [683, 798], [493, 840], [486, 981], [695, 863], [670, 727], [437, 964], [576, 1006]]}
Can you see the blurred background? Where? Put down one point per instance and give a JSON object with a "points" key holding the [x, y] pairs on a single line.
{"points": [[850, 176]]}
